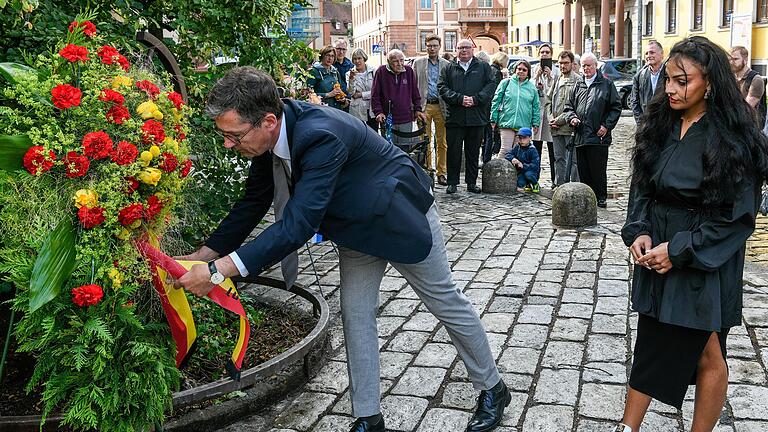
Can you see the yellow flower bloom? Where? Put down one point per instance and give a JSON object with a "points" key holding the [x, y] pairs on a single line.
{"points": [[176, 114], [146, 157], [171, 144], [155, 150], [148, 110], [121, 81], [116, 276], [86, 197], [150, 176]]}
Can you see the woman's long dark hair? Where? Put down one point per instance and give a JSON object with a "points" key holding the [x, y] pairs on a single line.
{"points": [[735, 146]]}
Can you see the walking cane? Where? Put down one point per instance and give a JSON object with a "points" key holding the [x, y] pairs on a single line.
{"points": [[569, 148]]}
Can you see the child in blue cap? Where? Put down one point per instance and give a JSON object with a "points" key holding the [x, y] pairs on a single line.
{"points": [[526, 159]]}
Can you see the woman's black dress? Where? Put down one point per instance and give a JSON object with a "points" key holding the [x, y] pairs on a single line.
{"points": [[702, 292]]}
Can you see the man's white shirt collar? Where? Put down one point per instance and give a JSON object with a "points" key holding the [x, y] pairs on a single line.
{"points": [[281, 147], [464, 65]]}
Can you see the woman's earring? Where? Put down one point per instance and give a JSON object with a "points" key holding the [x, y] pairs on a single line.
{"points": [[708, 93]]}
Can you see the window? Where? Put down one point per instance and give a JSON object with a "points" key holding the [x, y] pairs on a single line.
{"points": [[538, 31], [425, 4], [485, 3], [762, 11], [726, 11], [423, 40], [671, 16], [517, 35], [527, 33], [450, 4], [549, 32], [649, 19], [562, 31], [450, 41], [698, 15], [337, 25]]}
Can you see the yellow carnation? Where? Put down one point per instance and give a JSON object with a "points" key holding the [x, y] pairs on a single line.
{"points": [[121, 81], [86, 197], [116, 276], [155, 150], [148, 110], [146, 157], [150, 176], [171, 143]]}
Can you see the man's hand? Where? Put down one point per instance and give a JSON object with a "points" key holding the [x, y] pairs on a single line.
{"points": [[657, 259], [197, 280], [203, 254], [381, 118], [553, 124], [419, 115], [575, 121], [602, 131], [468, 101]]}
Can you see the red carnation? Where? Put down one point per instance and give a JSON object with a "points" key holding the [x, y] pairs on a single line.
{"points": [[97, 145], [151, 89], [132, 186], [74, 53], [179, 132], [124, 153], [117, 114], [154, 207], [65, 96], [75, 165], [90, 217], [153, 132], [131, 214], [107, 54], [169, 163], [36, 161], [176, 99], [109, 95], [87, 295], [88, 28], [186, 166], [123, 62]]}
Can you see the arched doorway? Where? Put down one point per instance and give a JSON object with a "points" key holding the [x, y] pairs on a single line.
{"points": [[487, 43], [628, 38]]}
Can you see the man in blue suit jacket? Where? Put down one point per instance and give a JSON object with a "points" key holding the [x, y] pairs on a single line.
{"points": [[359, 191]]}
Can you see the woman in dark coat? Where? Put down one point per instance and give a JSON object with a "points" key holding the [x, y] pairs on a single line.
{"points": [[698, 165]]}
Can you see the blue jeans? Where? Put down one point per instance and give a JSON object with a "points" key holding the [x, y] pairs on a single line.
{"points": [[526, 178]]}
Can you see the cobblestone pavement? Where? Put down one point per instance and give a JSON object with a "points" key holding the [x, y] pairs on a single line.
{"points": [[555, 305]]}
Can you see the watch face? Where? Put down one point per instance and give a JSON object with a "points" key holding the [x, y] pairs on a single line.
{"points": [[217, 278]]}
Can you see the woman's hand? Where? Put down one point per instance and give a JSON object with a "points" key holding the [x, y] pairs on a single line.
{"points": [[657, 259], [640, 246]]}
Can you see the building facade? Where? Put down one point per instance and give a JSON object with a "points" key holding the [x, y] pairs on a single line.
{"points": [[381, 25]]}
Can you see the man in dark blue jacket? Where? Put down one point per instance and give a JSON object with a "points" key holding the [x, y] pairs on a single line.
{"points": [[340, 178]]}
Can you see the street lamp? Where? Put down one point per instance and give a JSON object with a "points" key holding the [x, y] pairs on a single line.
{"points": [[381, 42]]}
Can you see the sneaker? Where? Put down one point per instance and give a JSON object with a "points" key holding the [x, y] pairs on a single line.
{"points": [[621, 427], [527, 188], [536, 188]]}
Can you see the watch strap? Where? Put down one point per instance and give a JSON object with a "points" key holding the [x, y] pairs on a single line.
{"points": [[212, 267]]}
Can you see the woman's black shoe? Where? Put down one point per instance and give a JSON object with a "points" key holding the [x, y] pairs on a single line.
{"points": [[451, 189], [474, 188], [490, 408], [369, 424]]}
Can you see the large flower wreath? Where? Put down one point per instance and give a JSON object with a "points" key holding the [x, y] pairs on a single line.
{"points": [[92, 158]]}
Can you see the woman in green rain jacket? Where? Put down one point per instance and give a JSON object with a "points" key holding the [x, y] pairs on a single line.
{"points": [[515, 105]]}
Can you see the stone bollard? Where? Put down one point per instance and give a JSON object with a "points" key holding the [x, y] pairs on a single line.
{"points": [[574, 205], [499, 176]]}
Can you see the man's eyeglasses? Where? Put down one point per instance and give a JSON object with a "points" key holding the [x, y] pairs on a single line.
{"points": [[464, 47], [433, 46], [234, 138]]}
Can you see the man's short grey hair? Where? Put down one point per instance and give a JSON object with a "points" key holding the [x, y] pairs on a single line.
{"points": [[483, 56], [586, 56], [340, 42], [392, 53], [658, 45], [248, 91], [359, 53]]}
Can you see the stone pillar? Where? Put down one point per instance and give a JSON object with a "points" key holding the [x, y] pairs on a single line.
{"points": [[567, 25], [619, 37], [579, 33], [605, 28]]}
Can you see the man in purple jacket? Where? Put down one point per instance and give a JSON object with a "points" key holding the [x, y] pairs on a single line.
{"points": [[396, 91]]}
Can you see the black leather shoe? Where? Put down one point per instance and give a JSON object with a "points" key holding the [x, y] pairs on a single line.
{"points": [[451, 189], [602, 204], [369, 424], [490, 408], [441, 180], [474, 188]]}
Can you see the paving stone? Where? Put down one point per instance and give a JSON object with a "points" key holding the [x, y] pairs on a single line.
{"points": [[518, 279], [574, 310], [602, 401], [442, 420], [503, 262], [463, 275], [518, 360], [408, 341], [422, 321], [332, 378], [497, 322], [390, 283], [528, 335], [612, 305], [580, 280], [575, 295], [403, 413], [479, 298], [344, 405], [514, 411], [563, 354], [555, 276], [580, 254], [548, 418], [572, 329], [459, 372], [497, 343], [420, 381], [656, 422], [745, 372], [441, 336], [535, 314], [334, 423], [505, 304], [541, 300], [613, 373], [605, 348], [751, 426], [407, 293], [612, 288], [740, 346], [491, 275], [595, 426], [393, 363], [436, 355], [557, 386], [549, 289], [583, 266], [610, 324], [304, 411], [467, 265], [748, 402], [518, 382], [511, 291], [459, 395], [388, 325], [400, 307]]}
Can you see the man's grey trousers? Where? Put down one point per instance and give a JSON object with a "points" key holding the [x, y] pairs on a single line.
{"points": [[431, 279]]}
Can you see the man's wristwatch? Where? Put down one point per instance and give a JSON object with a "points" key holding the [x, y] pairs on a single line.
{"points": [[216, 276]]}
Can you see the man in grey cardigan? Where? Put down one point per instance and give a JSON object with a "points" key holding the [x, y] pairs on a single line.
{"points": [[559, 95]]}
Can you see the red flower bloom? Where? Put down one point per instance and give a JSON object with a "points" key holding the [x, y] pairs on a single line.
{"points": [[88, 28], [87, 295], [108, 54], [153, 132], [109, 95], [132, 186], [179, 132], [74, 53], [130, 214], [36, 161], [118, 114], [90, 217], [97, 145], [176, 99], [154, 207], [151, 89], [169, 163], [186, 166], [65, 96], [123, 62], [124, 153], [75, 165]]}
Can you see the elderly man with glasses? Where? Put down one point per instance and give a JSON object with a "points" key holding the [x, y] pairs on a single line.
{"points": [[343, 65]]}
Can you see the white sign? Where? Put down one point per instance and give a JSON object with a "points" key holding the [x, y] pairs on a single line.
{"points": [[741, 31]]}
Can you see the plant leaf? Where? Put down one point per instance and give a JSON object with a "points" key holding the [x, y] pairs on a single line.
{"points": [[12, 150], [54, 265], [11, 72]]}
